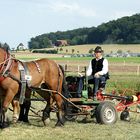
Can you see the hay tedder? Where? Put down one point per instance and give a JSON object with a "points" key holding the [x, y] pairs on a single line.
{"points": [[105, 109]]}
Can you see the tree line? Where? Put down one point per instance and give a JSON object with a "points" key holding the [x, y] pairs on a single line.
{"points": [[125, 30]]}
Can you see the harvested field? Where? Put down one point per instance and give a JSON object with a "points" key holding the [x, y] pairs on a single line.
{"points": [[84, 49]]}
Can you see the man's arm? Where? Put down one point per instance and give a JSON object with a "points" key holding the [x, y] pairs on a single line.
{"points": [[105, 68], [89, 70]]}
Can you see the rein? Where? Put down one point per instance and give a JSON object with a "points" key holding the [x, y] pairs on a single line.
{"points": [[5, 61], [6, 65]]}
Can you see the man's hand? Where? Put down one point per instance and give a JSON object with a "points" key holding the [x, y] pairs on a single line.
{"points": [[96, 75], [80, 74]]}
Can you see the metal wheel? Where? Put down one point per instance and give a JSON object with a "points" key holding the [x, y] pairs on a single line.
{"points": [[106, 113]]}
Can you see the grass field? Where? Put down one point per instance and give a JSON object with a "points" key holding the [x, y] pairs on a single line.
{"points": [[122, 78]]}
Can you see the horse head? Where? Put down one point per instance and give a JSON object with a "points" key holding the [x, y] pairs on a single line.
{"points": [[4, 57], [4, 52]]}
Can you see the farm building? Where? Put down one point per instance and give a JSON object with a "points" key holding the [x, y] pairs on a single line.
{"points": [[21, 47], [61, 43]]}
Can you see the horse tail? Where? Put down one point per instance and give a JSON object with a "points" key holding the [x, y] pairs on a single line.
{"points": [[65, 91]]}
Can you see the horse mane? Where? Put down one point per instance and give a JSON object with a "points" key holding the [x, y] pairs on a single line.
{"points": [[5, 46]]}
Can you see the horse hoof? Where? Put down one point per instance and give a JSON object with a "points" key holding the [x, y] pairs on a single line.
{"points": [[26, 121], [46, 122], [20, 119], [4, 125], [15, 120], [59, 124], [23, 120]]}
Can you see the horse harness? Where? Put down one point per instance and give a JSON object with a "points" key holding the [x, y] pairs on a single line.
{"points": [[25, 78]]}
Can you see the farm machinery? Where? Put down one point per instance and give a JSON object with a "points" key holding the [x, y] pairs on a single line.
{"points": [[105, 109]]}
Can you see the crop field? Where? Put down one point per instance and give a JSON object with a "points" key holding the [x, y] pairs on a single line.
{"points": [[84, 49], [124, 78]]}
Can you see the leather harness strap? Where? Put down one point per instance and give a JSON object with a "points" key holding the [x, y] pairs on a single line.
{"points": [[26, 73], [37, 65], [23, 83], [25, 78]]}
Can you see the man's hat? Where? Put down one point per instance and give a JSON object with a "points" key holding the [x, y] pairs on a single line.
{"points": [[98, 49]]}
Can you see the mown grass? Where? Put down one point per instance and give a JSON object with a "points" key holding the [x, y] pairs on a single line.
{"points": [[80, 130], [77, 130]]}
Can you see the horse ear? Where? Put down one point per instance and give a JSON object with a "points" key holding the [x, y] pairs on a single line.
{"points": [[0, 45], [6, 47]]}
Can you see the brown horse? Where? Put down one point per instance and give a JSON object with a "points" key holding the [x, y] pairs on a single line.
{"points": [[42, 72]]}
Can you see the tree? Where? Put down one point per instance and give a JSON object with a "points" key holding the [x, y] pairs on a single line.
{"points": [[72, 50], [91, 51], [122, 31], [66, 50], [61, 49]]}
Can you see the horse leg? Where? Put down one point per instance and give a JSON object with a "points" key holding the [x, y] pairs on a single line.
{"points": [[25, 107], [2, 115], [21, 114], [4, 106], [60, 113], [46, 113], [3, 124], [16, 110], [24, 111]]}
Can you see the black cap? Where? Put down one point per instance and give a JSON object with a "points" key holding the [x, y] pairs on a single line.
{"points": [[98, 49]]}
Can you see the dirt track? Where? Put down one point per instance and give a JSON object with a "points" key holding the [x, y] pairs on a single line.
{"points": [[117, 68]]}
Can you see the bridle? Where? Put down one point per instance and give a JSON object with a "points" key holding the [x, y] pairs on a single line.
{"points": [[6, 64]]}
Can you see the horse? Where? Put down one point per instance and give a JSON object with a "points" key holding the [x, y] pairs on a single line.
{"points": [[24, 108], [44, 72]]}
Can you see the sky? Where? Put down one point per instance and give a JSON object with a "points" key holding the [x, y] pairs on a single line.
{"points": [[20, 20]]}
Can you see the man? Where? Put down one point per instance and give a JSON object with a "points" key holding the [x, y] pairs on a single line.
{"points": [[98, 68]]}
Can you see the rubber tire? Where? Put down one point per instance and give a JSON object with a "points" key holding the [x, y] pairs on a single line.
{"points": [[101, 113], [125, 116]]}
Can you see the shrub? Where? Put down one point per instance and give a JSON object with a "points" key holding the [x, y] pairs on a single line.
{"points": [[45, 51]]}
